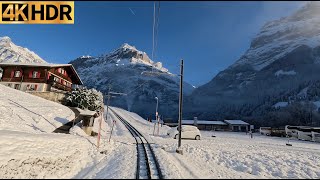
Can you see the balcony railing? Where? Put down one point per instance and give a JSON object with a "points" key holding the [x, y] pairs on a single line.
{"points": [[61, 86]]}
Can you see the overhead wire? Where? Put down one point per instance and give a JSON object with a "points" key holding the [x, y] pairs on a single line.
{"points": [[154, 37]]}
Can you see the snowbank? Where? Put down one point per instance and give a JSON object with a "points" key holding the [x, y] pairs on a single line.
{"points": [[26, 155], [20, 111], [29, 149]]}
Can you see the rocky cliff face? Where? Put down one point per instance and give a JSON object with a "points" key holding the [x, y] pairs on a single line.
{"points": [[283, 59], [131, 71]]}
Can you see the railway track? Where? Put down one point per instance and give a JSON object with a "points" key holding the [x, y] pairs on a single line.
{"points": [[147, 164]]}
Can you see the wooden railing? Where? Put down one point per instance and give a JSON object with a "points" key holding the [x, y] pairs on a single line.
{"points": [[61, 86]]}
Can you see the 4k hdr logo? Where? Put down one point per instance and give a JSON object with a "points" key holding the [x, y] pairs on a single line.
{"points": [[37, 12]]}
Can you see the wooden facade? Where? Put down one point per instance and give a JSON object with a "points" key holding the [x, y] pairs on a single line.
{"points": [[39, 77]]}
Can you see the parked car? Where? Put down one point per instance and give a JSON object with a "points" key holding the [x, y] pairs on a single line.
{"points": [[265, 131], [187, 132]]}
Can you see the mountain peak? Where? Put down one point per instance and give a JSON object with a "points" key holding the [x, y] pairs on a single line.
{"points": [[128, 46], [280, 37], [5, 41], [5, 38], [9, 52]]}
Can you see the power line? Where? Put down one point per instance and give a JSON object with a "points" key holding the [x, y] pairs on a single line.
{"points": [[153, 28], [157, 28]]}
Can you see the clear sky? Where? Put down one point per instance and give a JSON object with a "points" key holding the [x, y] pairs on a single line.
{"points": [[209, 36]]}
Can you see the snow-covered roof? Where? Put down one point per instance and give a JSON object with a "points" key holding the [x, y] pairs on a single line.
{"points": [[281, 104], [212, 122], [86, 112], [236, 122], [199, 122], [35, 64]]}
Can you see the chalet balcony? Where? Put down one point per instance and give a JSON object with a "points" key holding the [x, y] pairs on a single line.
{"points": [[61, 86]]}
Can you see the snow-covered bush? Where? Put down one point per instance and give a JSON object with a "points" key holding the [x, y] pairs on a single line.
{"points": [[84, 98]]}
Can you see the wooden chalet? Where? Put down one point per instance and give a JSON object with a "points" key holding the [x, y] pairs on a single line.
{"points": [[39, 77]]}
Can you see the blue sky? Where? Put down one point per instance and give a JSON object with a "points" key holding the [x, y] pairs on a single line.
{"points": [[209, 36]]}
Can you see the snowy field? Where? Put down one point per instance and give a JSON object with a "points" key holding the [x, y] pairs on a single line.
{"points": [[228, 155], [29, 149]]}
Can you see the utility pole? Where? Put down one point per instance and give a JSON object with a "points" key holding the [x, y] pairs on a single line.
{"points": [[100, 124], [179, 150], [157, 115], [108, 103]]}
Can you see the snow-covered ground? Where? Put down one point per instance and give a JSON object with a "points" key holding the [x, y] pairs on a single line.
{"points": [[228, 155], [20, 111], [29, 149]]}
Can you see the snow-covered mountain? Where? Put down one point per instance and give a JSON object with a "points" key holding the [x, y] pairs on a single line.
{"points": [[11, 53], [131, 71], [279, 38], [283, 59]]}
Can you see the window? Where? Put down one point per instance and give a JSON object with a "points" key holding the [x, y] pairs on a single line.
{"points": [[56, 79], [17, 74], [17, 86], [32, 87], [35, 74], [1, 73], [61, 70]]}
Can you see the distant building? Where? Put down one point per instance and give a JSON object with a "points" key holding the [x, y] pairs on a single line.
{"points": [[203, 124], [39, 77], [227, 125], [237, 125]]}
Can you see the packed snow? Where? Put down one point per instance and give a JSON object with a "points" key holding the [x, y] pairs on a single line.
{"points": [[317, 104], [281, 104], [281, 72]]}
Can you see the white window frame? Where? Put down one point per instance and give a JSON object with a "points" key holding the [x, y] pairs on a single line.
{"points": [[35, 74], [61, 71], [17, 74]]}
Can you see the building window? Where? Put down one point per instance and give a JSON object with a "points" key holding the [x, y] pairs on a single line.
{"points": [[61, 70], [56, 79], [1, 73], [17, 86], [32, 87], [35, 74], [17, 74]]}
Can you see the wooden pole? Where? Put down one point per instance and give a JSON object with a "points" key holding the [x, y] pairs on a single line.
{"points": [[99, 134], [179, 150]]}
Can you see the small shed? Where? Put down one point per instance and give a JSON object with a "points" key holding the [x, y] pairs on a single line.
{"points": [[87, 117], [237, 125]]}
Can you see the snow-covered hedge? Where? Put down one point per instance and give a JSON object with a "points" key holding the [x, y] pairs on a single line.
{"points": [[84, 98]]}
